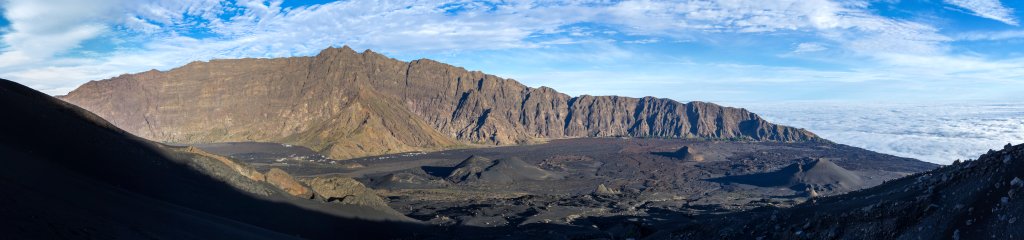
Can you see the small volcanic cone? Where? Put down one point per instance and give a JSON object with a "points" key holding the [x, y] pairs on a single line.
{"points": [[685, 153], [819, 174], [469, 168], [498, 171]]}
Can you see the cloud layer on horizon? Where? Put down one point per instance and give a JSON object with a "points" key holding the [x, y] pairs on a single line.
{"points": [[938, 133]]}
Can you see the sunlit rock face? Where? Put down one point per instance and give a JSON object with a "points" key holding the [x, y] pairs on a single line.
{"points": [[347, 104]]}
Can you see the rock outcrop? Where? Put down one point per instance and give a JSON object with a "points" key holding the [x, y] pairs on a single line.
{"points": [[239, 168], [604, 190], [346, 104], [274, 177], [345, 191], [281, 179]]}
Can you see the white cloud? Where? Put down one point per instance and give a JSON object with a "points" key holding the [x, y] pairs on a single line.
{"points": [[991, 9], [991, 36], [846, 23], [642, 41], [157, 33], [936, 132], [808, 47], [668, 17], [871, 35], [41, 29]]}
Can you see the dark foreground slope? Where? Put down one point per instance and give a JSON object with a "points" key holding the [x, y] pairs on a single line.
{"points": [[345, 104], [66, 173], [971, 200]]}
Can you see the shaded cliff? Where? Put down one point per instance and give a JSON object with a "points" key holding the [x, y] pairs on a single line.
{"points": [[347, 104]]}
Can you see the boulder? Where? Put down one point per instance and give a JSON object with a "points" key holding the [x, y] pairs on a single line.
{"points": [[345, 191], [281, 179], [604, 190]]}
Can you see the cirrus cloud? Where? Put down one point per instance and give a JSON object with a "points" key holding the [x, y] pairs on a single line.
{"points": [[991, 9]]}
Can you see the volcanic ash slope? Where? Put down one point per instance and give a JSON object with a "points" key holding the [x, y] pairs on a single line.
{"points": [[978, 199]]}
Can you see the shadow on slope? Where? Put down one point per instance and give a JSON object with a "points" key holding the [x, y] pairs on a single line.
{"points": [[69, 174]]}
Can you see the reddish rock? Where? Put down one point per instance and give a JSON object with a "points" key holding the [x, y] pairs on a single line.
{"points": [[239, 168], [286, 182]]}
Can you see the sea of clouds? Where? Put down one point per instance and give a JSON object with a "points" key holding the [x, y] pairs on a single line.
{"points": [[938, 133]]}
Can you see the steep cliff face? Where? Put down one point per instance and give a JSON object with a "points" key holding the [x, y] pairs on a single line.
{"points": [[347, 104]]}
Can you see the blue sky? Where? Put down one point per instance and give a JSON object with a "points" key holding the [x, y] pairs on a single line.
{"points": [[730, 51]]}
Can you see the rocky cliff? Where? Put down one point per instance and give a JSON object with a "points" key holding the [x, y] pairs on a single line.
{"points": [[347, 104]]}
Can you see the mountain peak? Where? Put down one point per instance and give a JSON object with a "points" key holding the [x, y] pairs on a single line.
{"points": [[344, 49], [289, 100]]}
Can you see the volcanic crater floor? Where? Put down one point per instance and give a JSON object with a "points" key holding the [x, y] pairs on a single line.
{"points": [[617, 186]]}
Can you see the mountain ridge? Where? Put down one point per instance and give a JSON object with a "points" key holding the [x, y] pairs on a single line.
{"points": [[296, 100]]}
